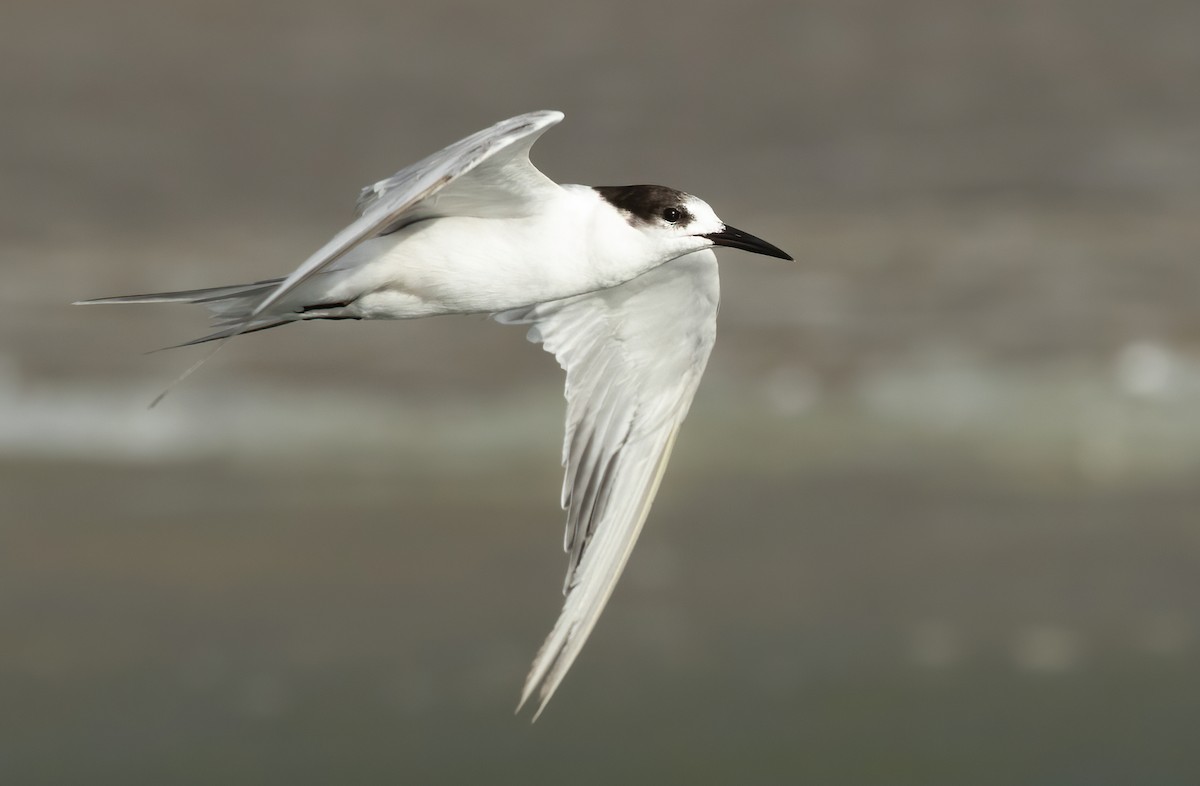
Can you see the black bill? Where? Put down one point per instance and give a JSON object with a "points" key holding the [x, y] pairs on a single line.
{"points": [[736, 238]]}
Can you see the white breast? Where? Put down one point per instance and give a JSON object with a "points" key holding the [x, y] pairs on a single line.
{"points": [[472, 265]]}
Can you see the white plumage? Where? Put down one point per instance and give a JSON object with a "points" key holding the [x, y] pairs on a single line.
{"points": [[619, 283]]}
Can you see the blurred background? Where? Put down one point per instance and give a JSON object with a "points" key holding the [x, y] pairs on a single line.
{"points": [[934, 518]]}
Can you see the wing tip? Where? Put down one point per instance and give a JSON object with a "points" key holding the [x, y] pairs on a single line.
{"points": [[537, 120], [552, 115], [543, 698]]}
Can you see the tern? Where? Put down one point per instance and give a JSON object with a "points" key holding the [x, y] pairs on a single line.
{"points": [[619, 283]]}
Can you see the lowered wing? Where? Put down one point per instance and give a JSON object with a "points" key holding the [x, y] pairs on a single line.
{"points": [[634, 355]]}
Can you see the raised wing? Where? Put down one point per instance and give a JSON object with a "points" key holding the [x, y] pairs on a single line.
{"points": [[501, 183], [634, 355], [486, 174]]}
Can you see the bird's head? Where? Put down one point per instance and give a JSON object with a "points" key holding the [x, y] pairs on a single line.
{"points": [[679, 221]]}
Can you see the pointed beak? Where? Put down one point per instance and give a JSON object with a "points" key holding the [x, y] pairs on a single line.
{"points": [[736, 238]]}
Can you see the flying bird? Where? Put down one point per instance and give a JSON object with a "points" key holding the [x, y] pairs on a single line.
{"points": [[619, 283]]}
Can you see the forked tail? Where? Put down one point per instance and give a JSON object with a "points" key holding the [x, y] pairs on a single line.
{"points": [[231, 309]]}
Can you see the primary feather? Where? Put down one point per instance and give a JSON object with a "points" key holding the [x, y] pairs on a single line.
{"points": [[634, 355]]}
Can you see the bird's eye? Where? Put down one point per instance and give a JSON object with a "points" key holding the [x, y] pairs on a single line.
{"points": [[671, 215]]}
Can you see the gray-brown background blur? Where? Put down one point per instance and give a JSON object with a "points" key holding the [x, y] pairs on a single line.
{"points": [[934, 516]]}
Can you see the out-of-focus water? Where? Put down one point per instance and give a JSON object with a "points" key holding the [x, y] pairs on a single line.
{"points": [[217, 620], [933, 519]]}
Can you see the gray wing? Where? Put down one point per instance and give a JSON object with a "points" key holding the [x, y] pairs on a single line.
{"points": [[500, 182], [486, 174], [634, 355]]}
